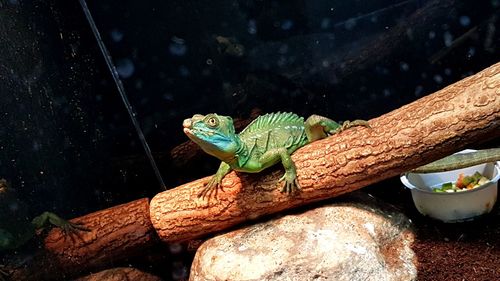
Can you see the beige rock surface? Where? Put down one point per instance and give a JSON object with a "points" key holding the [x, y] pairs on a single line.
{"points": [[358, 239]]}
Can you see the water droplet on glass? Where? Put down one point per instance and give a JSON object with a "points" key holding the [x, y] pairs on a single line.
{"points": [[325, 23], [177, 48], [287, 25], [252, 27], [418, 90], [464, 21], [471, 52], [36, 146], [387, 93], [116, 35], [438, 78], [448, 38], [125, 68], [404, 66]]}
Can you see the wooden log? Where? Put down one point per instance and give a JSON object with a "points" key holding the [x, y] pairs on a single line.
{"points": [[114, 234], [462, 114]]}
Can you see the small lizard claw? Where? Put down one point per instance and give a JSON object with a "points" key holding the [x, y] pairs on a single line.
{"points": [[73, 228], [66, 227], [354, 123], [212, 186], [291, 184]]}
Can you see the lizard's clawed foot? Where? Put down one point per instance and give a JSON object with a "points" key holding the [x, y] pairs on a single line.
{"points": [[291, 183], [349, 124], [73, 228], [212, 187], [66, 227]]}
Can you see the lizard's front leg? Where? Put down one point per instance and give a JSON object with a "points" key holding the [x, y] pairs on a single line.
{"points": [[290, 176], [47, 218], [214, 184]]}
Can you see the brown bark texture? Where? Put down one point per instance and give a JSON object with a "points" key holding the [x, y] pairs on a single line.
{"points": [[113, 235], [462, 114]]}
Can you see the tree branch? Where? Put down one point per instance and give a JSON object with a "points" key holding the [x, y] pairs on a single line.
{"points": [[449, 120]]}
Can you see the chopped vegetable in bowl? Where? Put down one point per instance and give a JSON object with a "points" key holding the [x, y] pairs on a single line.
{"points": [[463, 183]]}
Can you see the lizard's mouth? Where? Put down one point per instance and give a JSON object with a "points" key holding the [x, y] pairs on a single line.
{"points": [[188, 124], [188, 131], [199, 133]]}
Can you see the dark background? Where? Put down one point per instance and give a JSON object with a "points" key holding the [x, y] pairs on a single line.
{"points": [[66, 140]]}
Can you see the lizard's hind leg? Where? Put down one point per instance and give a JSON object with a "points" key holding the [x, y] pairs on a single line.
{"points": [[319, 127]]}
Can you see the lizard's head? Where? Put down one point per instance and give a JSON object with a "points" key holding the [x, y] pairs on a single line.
{"points": [[214, 134]]}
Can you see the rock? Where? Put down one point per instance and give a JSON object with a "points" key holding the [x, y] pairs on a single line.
{"points": [[357, 239], [120, 274]]}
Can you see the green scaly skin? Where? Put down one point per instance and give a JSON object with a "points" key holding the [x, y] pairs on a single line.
{"points": [[269, 139]]}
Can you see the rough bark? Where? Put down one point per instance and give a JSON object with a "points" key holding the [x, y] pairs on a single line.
{"points": [[114, 234], [449, 120]]}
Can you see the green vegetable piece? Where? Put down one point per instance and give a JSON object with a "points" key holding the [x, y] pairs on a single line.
{"points": [[446, 186], [477, 176], [467, 180]]}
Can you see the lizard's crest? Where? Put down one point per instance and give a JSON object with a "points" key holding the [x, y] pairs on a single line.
{"points": [[214, 134], [271, 120]]}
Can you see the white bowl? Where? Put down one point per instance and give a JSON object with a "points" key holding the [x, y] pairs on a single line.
{"points": [[456, 206]]}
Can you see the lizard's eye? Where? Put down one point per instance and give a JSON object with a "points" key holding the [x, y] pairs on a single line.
{"points": [[212, 122]]}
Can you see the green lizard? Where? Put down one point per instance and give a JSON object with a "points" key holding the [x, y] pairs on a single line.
{"points": [[269, 139], [15, 229]]}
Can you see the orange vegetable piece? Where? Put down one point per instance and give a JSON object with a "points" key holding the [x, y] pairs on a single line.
{"points": [[459, 183]]}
